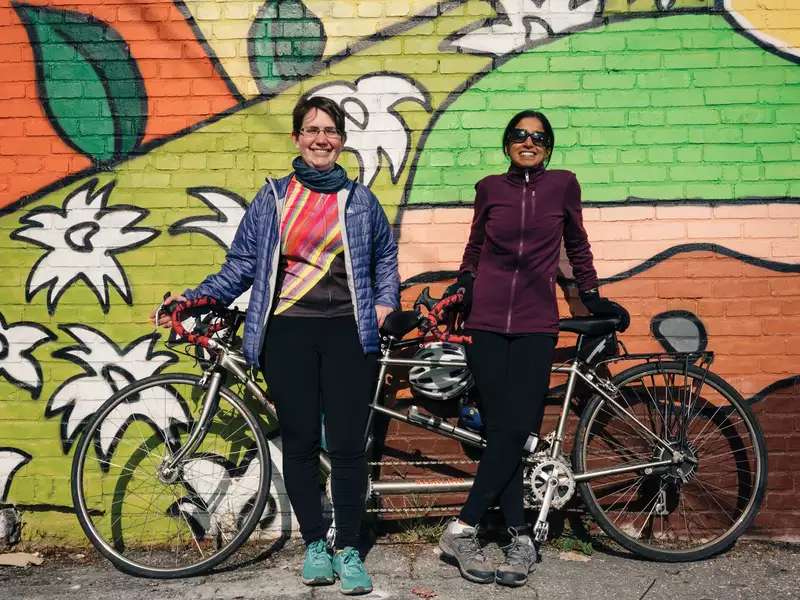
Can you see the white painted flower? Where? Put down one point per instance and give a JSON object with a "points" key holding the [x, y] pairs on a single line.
{"points": [[11, 461], [82, 239], [520, 24], [228, 209], [107, 369], [218, 496], [17, 343], [373, 124]]}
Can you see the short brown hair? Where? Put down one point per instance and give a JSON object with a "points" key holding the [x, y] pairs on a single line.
{"points": [[304, 106]]}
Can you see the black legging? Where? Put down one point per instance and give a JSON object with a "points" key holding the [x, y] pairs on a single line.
{"points": [[512, 374], [312, 366]]}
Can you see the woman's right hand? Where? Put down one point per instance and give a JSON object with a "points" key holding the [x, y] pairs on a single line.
{"points": [[463, 284], [164, 319]]}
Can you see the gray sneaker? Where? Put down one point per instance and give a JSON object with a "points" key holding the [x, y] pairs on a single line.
{"points": [[464, 550], [521, 557]]}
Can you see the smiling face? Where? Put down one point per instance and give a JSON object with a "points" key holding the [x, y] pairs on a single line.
{"points": [[319, 151], [527, 154]]}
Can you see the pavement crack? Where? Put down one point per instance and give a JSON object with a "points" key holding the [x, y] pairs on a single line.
{"points": [[649, 587]]}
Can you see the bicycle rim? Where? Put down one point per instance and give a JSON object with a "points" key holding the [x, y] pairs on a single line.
{"points": [[686, 511], [154, 525]]}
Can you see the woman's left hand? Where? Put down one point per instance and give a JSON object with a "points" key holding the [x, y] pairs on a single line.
{"points": [[381, 312]]}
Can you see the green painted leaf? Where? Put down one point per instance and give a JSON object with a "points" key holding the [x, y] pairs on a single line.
{"points": [[89, 84], [287, 41]]}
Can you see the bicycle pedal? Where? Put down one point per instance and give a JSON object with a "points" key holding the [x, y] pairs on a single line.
{"points": [[540, 532]]}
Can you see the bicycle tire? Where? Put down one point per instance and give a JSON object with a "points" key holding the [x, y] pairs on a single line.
{"points": [[719, 406], [214, 504]]}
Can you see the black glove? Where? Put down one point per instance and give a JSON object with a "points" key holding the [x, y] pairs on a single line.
{"points": [[603, 307], [463, 284]]}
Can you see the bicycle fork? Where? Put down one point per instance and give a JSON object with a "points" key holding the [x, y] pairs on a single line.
{"points": [[169, 471]]}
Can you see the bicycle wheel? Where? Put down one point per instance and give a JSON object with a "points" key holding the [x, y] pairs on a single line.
{"points": [[153, 525], [682, 512]]}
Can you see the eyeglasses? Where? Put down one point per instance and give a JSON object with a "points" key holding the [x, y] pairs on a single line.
{"points": [[330, 132], [539, 138]]}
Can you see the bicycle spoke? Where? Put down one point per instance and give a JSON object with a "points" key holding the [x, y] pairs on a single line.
{"points": [[691, 506], [193, 518]]}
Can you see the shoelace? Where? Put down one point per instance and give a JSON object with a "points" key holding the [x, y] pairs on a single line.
{"points": [[470, 547], [318, 553], [352, 562], [519, 552]]}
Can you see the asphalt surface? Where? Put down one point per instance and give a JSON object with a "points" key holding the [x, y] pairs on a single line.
{"points": [[751, 570]]}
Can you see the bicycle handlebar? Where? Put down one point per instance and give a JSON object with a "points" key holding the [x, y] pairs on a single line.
{"points": [[434, 317], [176, 311]]}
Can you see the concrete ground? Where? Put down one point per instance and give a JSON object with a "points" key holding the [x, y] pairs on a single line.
{"points": [[751, 570]]}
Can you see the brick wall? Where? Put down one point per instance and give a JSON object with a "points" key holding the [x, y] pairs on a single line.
{"points": [[126, 165]]}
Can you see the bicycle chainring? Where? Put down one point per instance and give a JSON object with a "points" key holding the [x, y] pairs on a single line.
{"points": [[540, 472]]}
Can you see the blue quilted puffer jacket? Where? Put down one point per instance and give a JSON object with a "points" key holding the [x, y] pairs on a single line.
{"points": [[370, 255]]}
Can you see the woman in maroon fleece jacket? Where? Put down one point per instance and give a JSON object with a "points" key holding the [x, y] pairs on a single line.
{"points": [[521, 218]]}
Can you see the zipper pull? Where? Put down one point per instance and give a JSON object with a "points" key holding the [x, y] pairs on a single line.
{"points": [[527, 176]]}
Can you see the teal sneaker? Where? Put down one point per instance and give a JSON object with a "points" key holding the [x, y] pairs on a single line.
{"points": [[317, 567], [350, 570]]}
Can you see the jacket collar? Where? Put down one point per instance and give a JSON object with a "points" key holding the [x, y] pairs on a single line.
{"points": [[516, 175]]}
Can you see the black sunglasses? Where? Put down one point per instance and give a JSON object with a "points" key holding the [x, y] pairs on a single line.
{"points": [[518, 136]]}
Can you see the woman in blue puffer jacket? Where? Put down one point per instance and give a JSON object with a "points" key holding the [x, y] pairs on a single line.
{"points": [[319, 254]]}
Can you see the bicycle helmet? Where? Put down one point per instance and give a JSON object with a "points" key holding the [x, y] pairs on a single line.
{"points": [[440, 382]]}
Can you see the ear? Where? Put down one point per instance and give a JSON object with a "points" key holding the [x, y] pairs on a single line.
{"points": [[295, 140]]}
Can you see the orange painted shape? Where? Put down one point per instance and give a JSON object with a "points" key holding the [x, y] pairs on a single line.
{"points": [[168, 55]]}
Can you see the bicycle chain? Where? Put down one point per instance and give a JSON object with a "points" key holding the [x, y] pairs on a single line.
{"points": [[419, 509], [414, 510], [389, 463]]}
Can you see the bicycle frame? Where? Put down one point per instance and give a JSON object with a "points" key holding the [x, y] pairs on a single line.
{"points": [[233, 363]]}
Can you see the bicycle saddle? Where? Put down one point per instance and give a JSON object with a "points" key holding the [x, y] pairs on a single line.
{"points": [[400, 322], [590, 326]]}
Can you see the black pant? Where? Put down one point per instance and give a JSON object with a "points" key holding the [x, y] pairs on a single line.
{"points": [[512, 374], [313, 366]]}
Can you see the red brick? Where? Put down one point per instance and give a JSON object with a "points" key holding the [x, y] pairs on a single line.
{"points": [[715, 268], [739, 308], [783, 325], [767, 307], [738, 288], [751, 346], [780, 501], [711, 307], [785, 286], [632, 288], [680, 289]]}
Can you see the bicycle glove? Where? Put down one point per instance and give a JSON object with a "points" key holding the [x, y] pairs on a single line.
{"points": [[462, 284], [603, 307]]}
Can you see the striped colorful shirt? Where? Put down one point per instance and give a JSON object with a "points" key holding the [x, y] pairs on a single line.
{"points": [[313, 279]]}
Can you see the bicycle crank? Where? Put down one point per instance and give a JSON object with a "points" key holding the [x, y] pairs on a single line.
{"points": [[539, 481]]}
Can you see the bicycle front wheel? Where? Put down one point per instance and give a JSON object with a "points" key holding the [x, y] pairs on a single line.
{"points": [[685, 511], [156, 523]]}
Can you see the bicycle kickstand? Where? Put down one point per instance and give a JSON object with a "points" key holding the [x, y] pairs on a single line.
{"points": [[541, 528]]}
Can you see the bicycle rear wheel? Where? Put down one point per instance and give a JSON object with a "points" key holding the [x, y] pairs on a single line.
{"points": [[153, 524], [682, 512]]}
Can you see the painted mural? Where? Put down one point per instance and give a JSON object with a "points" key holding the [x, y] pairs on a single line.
{"points": [[134, 136]]}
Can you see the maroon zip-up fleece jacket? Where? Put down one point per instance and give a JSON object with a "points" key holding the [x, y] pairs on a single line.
{"points": [[514, 247]]}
